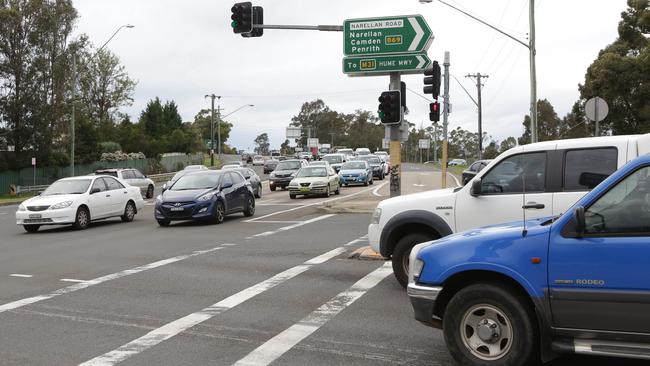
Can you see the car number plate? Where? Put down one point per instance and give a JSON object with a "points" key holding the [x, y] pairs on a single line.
{"points": [[304, 189], [35, 216], [176, 209]]}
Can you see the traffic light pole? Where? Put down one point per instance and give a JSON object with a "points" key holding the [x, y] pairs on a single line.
{"points": [[395, 144], [445, 123]]}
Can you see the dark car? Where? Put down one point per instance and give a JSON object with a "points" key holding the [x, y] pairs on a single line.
{"points": [[284, 173], [205, 195], [473, 169], [376, 164], [270, 165], [252, 178]]}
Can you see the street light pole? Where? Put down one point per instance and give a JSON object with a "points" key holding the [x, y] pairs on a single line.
{"points": [[532, 53]]}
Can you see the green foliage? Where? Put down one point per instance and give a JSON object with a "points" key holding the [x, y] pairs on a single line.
{"points": [[109, 146], [491, 151], [86, 142], [262, 142], [549, 125], [621, 74], [203, 119]]}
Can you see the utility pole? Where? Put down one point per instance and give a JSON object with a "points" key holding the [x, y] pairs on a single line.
{"points": [[213, 97], [218, 123], [445, 119], [74, 101], [533, 72], [478, 78]]}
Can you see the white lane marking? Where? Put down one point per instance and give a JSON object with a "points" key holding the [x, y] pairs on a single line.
{"points": [[229, 245], [4, 213], [283, 342], [278, 222], [285, 228], [355, 241], [178, 326], [279, 204], [98, 280], [456, 179], [376, 190], [310, 204], [72, 280], [418, 185], [21, 275]]}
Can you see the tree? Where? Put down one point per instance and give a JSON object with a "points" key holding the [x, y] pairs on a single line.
{"points": [[548, 124], [507, 144], [203, 119], [262, 142], [319, 120], [285, 148], [491, 151], [621, 73], [575, 124], [463, 144]]}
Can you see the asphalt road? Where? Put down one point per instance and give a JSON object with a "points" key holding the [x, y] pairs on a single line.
{"points": [[275, 288]]}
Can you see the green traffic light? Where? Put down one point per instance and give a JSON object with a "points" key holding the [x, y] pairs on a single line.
{"points": [[234, 24], [381, 115]]}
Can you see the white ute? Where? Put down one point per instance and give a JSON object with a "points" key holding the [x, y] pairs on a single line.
{"points": [[555, 175]]}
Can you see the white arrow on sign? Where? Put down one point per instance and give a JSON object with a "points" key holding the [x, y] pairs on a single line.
{"points": [[421, 60], [419, 33]]}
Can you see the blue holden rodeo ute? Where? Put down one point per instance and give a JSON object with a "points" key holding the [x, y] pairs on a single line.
{"points": [[524, 292]]}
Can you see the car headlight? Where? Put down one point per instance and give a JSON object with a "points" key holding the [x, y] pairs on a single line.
{"points": [[376, 216], [320, 183], [206, 197], [272, 175], [159, 199], [362, 174], [61, 205], [293, 174], [21, 207], [416, 264], [293, 183]]}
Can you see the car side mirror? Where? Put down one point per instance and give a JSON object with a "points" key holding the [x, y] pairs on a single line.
{"points": [[95, 190], [226, 185], [579, 217], [475, 191], [164, 187]]}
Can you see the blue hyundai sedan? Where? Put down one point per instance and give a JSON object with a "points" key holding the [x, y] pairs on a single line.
{"points": [[205, 195], [356, 172]]}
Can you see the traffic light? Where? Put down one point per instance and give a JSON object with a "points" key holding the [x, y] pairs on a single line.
{"points": [[434, 112], [258, 19], [390, 107], [432, 81], [242, 17]]}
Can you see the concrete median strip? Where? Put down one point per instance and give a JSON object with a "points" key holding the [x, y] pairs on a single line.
{"points": [[366, 253], [178, 326]]}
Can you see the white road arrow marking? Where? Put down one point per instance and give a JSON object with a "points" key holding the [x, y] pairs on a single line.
{"points": [[419, 34], [422, 62]]}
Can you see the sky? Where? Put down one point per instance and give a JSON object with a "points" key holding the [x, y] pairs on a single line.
{"points": [[183, 50]]}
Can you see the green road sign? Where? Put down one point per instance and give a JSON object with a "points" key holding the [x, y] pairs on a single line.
{"points": [[383, 65], [386, 35]]}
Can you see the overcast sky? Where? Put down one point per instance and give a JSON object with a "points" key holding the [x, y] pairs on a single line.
{"points": [[182, 50]]}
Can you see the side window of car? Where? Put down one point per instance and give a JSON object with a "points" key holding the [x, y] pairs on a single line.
{"points": [[137, 174], [112, 184], [236, 178], [585, 169], [226, 179], [99, 183], [127, 174], [624, 209], [514, 173]]}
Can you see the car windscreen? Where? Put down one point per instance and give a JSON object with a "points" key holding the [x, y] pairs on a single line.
{"points": [[312, 172], [178, 175], [77, 186], [288, 165], [374, 160], [196, 181], [334, 159], [354, 165]]}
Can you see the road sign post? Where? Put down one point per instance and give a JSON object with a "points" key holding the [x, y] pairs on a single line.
{"points": [[596, 109]]}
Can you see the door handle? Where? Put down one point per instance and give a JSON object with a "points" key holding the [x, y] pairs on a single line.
{"points": [[533, 205], [125, 192], [108, 195]]}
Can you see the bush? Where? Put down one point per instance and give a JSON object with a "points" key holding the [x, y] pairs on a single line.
{"points": [[109, 146], [121, 156]]}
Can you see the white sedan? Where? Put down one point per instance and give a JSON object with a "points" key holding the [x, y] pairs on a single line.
{"points": [[79, 200]]}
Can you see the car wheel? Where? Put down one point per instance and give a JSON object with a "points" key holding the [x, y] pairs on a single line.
{"points": [[31, 228], [219, 212], [149, 193], [163, 223], [372, 181], [272, 188], [327, 191], [365, 184], [250, 206], [488, 324], [292, 196], [129, 212], [400, 257], [338, 190], [258, 193], [82, 219]]}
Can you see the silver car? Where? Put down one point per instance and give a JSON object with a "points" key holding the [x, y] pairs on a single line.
{"points": [[133, 177]]}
